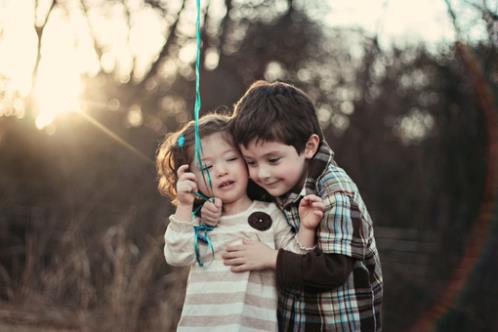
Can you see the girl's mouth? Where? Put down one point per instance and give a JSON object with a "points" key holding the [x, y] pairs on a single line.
{"points": [[226, 184]]}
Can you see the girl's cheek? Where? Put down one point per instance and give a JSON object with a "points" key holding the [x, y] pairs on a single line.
{"points": [[243, 169]]}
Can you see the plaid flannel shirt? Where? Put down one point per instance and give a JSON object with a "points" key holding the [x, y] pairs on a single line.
{"points": [[345, 229]]}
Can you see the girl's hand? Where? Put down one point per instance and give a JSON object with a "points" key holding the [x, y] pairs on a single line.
{"points": [[250, 256], [311, 210], [211, 212], [186, 186]]}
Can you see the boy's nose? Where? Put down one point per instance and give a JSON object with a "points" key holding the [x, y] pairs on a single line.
{"points": [[263, 173]]}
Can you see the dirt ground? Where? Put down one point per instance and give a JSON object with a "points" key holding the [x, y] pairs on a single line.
{"points": [[14, 319]]}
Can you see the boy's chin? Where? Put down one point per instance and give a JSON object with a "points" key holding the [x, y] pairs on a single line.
{"points": [[276, 192]]}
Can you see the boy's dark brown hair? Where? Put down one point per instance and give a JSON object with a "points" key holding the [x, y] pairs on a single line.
{"points": [[275, 112]]}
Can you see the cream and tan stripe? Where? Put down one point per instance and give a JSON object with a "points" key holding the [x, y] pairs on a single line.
{"points": [[208, 321], [216, 298], [227, 298]]}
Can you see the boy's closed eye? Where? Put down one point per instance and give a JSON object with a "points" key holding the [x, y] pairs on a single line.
{"points": [[274, 160]]}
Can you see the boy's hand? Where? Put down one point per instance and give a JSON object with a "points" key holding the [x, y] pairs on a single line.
{"points": [[211, 212], [250, 256], [311, 210], [186, 186]]}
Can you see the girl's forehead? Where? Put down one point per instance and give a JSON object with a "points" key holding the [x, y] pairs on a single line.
{"points": [[214, 146], [217, 141]]}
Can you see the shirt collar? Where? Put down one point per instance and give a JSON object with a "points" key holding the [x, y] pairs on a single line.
{"points": [[316, 167]]}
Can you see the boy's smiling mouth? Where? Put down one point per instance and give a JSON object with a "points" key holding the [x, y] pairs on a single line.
{"points": [[270, 184]]}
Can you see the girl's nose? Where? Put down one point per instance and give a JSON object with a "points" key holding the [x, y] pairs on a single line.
{"points": [[220, 170]]}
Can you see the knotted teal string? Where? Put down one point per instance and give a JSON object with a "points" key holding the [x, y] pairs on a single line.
{"points": [[201, 234], [196, 212], [198, 235]]}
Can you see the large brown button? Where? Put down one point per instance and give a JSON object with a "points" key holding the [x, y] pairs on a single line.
{"points": [[260, 220]]}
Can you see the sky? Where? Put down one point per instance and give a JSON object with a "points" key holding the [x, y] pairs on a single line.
{"points": [[68, 51], [398, 21], [403, 21]]}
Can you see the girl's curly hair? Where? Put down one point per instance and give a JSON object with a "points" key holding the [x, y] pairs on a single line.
{"points": [[171, 155]]}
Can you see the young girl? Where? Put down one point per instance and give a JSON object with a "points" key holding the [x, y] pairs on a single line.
{"points": [[216, 298]]}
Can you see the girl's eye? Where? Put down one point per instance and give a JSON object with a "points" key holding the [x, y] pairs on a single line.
{"points": [[232, 159], [206, 168]]}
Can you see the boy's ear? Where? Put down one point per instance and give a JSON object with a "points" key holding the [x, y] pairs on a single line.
{"points": [[311, 146]]}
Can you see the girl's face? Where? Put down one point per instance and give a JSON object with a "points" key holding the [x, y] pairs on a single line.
{"points": [[226, 167]]}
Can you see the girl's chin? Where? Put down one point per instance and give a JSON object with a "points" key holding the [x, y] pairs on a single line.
{"points": [[234, 199]]}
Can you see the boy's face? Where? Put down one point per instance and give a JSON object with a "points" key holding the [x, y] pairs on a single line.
{"points": [[275, 166], [226, 168]]}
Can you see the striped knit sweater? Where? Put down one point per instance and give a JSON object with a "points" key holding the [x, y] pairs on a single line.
{"points": [[216, 298]]}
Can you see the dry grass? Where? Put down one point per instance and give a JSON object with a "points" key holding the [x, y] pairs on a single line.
{"points": [[75, 279]]}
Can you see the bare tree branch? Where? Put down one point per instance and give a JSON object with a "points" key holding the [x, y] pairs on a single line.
{"points": [[40, 29], [154, 68], [290, 7], [98, 49], [128, 22], [489, 17], [225, 24], [453, 17], [484, 8], [157, 4], [204, 36]]}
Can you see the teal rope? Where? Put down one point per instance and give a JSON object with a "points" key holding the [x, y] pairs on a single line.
{"points": [[197, 107], [202, 196], [201, 231]]}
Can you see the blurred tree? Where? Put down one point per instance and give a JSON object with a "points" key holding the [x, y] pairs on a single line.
{"points": [[83, 221]]}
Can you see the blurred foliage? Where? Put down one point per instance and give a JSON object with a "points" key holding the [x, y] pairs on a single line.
{"points": [[81, 223]]}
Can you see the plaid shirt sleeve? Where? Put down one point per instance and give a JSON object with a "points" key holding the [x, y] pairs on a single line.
{"points": [[343, 230]]}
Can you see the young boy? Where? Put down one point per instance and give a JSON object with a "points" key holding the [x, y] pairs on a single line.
{"points": [[338, 286]]}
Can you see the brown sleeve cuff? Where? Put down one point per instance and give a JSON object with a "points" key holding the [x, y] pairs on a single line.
{"points": [[288, 271], [315, 271]]}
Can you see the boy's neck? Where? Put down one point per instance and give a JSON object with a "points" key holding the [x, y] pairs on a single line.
{"points": [[237, 206]]}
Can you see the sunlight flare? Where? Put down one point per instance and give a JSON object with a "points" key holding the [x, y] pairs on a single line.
{"points": [[57, 91], [58, 84]]}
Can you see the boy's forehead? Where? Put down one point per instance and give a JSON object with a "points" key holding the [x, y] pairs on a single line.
{"points": [[258, 145]]}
